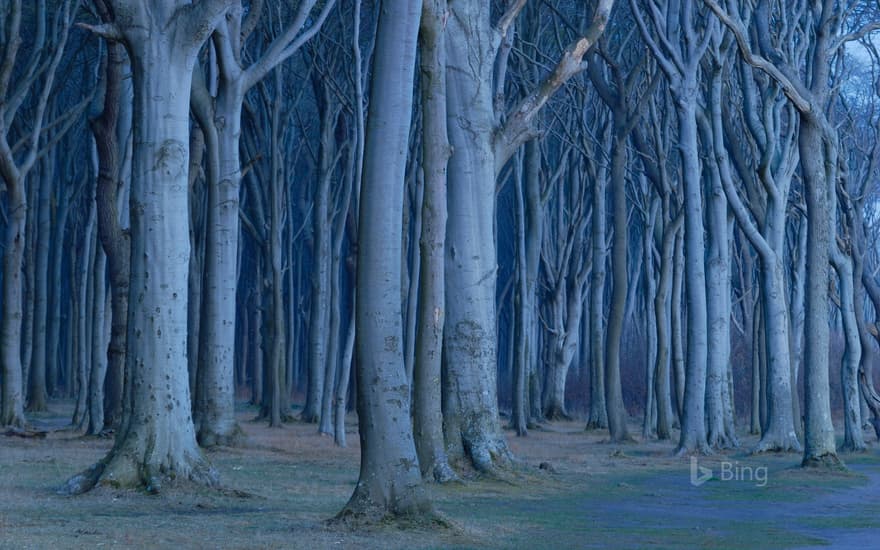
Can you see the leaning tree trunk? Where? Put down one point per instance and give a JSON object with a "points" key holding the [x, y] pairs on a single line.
{"points": [[389, 482]]}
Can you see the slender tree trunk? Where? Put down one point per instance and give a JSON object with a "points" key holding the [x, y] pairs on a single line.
{"points": [[662, 308], [427, 415], [613, 391], [819, 447], [98, 347], [37, 388], [693, 427], [598, 414], [12, 411]]}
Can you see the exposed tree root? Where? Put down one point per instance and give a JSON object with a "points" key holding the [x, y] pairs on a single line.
{"points": [[594, 424], [442, 472], [773, 443], [209, 438], [692, 449], [121, 469], [14, 421], [25, 433], [827, 461], [410, 510], [556, 413]]}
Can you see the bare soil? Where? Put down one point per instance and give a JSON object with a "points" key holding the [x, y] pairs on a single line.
{"points": [[280, 489]]}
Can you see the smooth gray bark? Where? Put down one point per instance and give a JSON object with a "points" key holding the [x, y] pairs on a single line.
{"points": [[390, 482]]}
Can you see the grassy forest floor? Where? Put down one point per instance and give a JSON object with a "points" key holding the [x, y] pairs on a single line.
{"points": [[589, 494]]}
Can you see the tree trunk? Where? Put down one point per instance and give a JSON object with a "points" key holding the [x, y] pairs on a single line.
{"points": [[470, 400], [693, 427], [613, 392], [389, 483], [37, 391], [819, 445], [662, 308], [598, 414], [427, 415], [12, 410], [157, 441]]}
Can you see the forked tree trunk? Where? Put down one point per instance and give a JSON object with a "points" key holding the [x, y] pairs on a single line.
{"points": [[662, 387]]}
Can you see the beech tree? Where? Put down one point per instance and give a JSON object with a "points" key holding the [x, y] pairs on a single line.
{"points": [[390, 481], [156, 440]]}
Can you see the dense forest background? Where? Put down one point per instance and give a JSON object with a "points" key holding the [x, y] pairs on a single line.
{"points": [[453, 217]]}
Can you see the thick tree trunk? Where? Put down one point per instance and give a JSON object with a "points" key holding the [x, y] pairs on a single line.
{"points": [[215, 394], [157, 441], [471, 420], [389, 483]]}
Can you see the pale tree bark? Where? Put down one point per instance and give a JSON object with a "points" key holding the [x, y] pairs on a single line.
{"points": [[427, 414], [772, 128], [215, 400], [389, 484], [679, 49], [481, 148], [567, 267], [817, 143], [156, 441]]}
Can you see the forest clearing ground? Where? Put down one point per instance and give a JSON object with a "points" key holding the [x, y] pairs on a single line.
{"points": [[287, 481]]}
